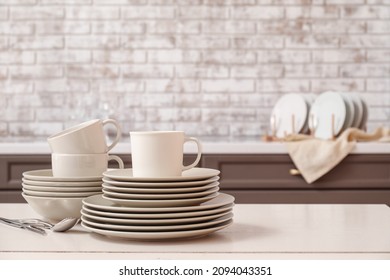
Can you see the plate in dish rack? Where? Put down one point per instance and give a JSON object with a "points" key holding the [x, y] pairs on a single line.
{"points": [[327, 104], [182, 234], [349, 110], [363, 122], [289, 115], [100, 203], [192, 174], [358, 104]]}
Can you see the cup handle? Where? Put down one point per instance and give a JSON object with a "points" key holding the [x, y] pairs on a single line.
{"points": [[117, 159], [192, 139], [118, 132]]}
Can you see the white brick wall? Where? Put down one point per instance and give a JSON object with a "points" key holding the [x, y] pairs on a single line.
{"points": [[209, 67]]}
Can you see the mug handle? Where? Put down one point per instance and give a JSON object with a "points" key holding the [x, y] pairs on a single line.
{"points": [[192, 139], [117, 159], [118, 132]]}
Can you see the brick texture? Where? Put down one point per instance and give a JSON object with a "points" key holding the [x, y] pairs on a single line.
{"points": [[213, 68]]}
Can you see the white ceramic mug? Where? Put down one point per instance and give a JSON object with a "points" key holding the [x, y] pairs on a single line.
{"points": [[158, 154], [81, 165], [85, 138]]}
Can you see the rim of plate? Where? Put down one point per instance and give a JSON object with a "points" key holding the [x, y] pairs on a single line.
{"points": [[47, 175], [157, 203], [145, 236], [184, 214], [163, 190], [196, 173], [153, 221], [221, 199], [160, 184]]}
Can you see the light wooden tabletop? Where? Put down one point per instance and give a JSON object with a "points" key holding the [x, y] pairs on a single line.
{"points": [[259, 231]]}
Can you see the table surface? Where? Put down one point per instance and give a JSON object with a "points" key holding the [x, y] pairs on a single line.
{"points": [[259, 231]]}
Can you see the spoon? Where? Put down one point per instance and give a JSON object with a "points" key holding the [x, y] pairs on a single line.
{"points": [[65, 224]]}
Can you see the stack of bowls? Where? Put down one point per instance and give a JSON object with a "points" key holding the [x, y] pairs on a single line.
{"points": [[79, 158], [56, 198]]}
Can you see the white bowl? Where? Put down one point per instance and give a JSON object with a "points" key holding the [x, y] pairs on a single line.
{"points": [[55, 208]]}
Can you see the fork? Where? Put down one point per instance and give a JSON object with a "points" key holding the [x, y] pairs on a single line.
{"points": [[27, 226]]}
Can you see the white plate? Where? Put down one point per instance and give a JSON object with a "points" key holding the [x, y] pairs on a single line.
{"points": [[321, 111], [349, 110], [158, 235], [160, 190], [160, 202], [62, 189], [159, 228], [363, 124], [358, 104], [172, 215], [59, 194], [98, 202], [289, 107], [160, 184], [177, 221], [61, 184], [47, 175], [309, 98], [159, 196], [187, 175]]}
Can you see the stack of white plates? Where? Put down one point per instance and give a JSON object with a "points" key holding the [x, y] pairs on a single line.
{"points": [[57, 198], [327, 115], [334, 112], [158, 208]]}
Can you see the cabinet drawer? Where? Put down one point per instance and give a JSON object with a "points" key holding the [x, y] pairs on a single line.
{"points": [[272, 172]]}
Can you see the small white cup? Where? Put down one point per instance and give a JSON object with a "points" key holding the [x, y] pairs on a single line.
{"points": [[85, 138], [157, 154], [81, 165]]}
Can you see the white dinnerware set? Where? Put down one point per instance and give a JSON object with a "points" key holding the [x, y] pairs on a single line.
{"points": [[79, 158], [324, 116], [158, 198]]}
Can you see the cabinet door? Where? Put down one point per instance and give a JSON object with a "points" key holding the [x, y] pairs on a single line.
{"points": [[267, 179]]}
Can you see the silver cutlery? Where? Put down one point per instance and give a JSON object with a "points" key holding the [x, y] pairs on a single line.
{"points": [[39, 226], [21, 225]]}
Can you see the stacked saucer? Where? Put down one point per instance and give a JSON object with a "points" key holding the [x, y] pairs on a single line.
{"points": [[158, 208], [56, 198]]}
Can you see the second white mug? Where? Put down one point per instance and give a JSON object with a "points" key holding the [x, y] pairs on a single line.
{"points": [[82, 165], [158, 154]]}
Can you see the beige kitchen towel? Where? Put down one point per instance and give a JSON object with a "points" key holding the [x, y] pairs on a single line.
{"points": [[315, 157]]}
